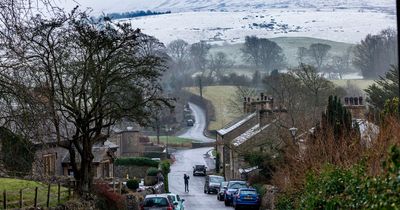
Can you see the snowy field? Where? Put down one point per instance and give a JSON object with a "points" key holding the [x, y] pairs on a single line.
{"points": [[342, 25], [108, 6]]}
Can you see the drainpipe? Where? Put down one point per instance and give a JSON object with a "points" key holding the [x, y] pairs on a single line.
{"points": [[398, 48]]}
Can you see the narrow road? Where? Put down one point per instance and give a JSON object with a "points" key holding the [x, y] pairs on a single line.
{"points": [[196, 132], [195, 199]]}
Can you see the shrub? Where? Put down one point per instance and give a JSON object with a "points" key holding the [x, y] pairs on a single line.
{"points": [[136, 161], [107, 199], [152, 171], [348, 188], [165, 169], [20, 149], [132, 184]]}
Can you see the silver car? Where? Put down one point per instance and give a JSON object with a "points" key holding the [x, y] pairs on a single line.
{"points": [[177, 201], [157, 202]]}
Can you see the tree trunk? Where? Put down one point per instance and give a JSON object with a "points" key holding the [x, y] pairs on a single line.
{"points": [[84, 175]]}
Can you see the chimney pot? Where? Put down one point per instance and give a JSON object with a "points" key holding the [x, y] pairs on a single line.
{"points": [[355, 101], [245, 99], [351, 101], [360, 100], [346, 100], [262, 96]]}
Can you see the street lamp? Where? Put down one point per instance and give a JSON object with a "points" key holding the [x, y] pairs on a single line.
{"points": [[167, 130], [293, 132]]}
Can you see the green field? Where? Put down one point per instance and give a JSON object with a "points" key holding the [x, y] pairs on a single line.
{"points": [[289, 46], [361, 84], [172, 140], [12, 188], [219, 96]]}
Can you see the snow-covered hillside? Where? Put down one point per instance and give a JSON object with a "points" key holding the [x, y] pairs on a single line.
{"points": [[343, 25], [108, 6]]}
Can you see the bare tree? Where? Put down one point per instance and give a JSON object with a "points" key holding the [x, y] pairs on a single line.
{"points": [[376, 53], [318, 53], [302, 54], [178, 50], [316, 86], [264, 53], [235, 102], [78, 77], [198, 54], [217, 65]]}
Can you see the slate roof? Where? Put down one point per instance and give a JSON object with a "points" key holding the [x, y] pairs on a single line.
{"points": [[232, 126], [249, 134], [99, 154]]}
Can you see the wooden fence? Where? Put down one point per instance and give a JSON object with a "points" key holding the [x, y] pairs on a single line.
{"points": [[33, 197]]}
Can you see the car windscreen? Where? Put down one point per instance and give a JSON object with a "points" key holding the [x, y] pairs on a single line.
{"points": [[216, 179], [248, 192], [156, 202], [237, 185], [171, 197], [224, 184]]}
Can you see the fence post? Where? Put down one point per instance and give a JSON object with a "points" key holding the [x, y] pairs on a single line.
{"points": [[21, 200], [35, 201], [48, 196], [120, 187], [69, 189], [58, 193], [113, 185], [5, 199]]}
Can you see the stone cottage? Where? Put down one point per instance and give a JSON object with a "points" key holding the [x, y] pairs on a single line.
{"points": [[254, 131]]}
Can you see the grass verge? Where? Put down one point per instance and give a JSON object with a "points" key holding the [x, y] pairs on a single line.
{"points": [[172, 141], [12, 188]]}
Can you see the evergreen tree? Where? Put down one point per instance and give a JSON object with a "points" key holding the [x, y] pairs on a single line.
{"points": [[337, 118]]}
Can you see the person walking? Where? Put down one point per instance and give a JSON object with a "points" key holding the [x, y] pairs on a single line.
{"points": [[186, 178]]}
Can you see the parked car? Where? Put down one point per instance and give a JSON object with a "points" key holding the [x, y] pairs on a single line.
{"points": [[177, 201], [221, 190], [247, 198], [157, 202], [232, 187], [199, 170], [189, 122], [212, 183]]}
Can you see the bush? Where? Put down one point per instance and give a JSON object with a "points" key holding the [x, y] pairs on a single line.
{"points": [[136, 161], [107, 199], [20, 149], [132, 184], [152, 171], [340, 188], [165, 169]]}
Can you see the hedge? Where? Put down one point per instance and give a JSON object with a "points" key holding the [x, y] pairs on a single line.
{"points": [[152, 171], [136, 161]]}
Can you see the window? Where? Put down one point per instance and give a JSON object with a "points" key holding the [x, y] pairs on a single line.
{"points": [[106, 169], [49, 164]]}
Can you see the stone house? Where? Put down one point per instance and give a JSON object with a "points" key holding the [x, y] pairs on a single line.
{"points": [[254, 131], [133, 144], [52, 160]]}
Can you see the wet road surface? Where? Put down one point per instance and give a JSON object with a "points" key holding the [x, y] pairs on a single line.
{"points": [[195, 199], [196, 132]]}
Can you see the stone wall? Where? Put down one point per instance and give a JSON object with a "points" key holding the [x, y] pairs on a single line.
{"points": [[132, 171]]}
